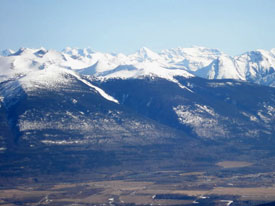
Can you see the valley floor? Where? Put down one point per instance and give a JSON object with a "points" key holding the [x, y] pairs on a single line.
{"points": [[129, 187]]}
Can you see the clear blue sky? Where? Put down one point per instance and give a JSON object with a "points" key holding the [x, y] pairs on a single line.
{"points": [[234, 26]]}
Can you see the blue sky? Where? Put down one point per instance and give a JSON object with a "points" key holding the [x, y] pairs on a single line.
{"points": [[233, 26]]}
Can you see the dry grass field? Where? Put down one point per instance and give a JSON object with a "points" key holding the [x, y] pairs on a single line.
{"points": [[233, 164]]}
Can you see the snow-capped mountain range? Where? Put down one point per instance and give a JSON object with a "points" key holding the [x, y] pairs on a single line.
{"points": [[79, 97], [254, 66], [78, 110]]}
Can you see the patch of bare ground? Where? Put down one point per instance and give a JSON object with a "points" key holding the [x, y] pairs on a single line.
{"points": [[191, 173], [256, 193], [233, 164]]}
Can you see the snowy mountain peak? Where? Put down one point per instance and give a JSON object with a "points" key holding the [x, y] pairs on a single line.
{"points": [[144, 50], [6, 52], [24, 51], [78, 52], [41, 52], [192, 51], [213, 50], [255, 66], [147, 54]]}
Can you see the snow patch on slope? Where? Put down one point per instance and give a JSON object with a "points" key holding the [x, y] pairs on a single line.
{"points": [[202, 119], [100, 91]]}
